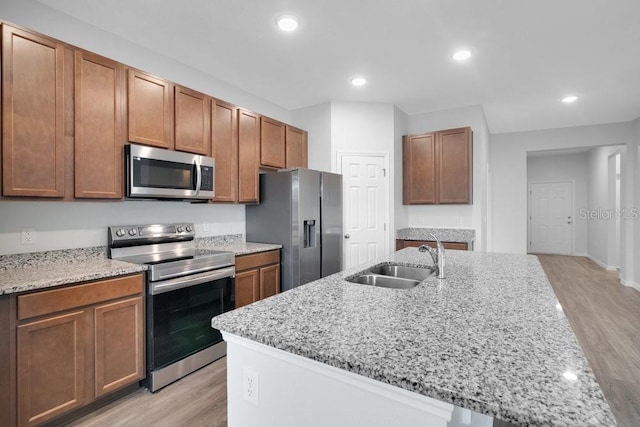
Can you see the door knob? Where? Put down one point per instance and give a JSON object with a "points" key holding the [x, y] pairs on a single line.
{"points": [[568, 222], [346, 236]]}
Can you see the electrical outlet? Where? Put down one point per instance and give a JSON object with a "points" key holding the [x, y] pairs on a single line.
{"points": [[205, 226], [458, 220], [251, 386], [28, 236]]}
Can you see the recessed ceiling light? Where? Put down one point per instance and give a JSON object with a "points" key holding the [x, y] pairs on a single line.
{"points": [[287, 22], [461, 55], [358, 81], [569, 99]]}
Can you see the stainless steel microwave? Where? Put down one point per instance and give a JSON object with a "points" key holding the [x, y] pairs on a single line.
{"points": [[156, 173]]}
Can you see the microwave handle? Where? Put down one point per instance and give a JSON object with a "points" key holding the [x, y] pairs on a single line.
{"points": [[198, 176]]}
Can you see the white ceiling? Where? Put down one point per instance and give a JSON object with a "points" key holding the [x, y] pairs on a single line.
{"points": [[528, 54]]}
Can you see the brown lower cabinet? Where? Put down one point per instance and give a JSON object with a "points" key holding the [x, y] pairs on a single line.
{"points": [[401, 244], [76, 344], [257, 277]]}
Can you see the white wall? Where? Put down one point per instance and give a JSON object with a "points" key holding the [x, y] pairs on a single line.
{"points": [[401, 127], [460, 216], [367, 128], [65, 225], [508, 160], [316, 120], [565, 167], [599, 201]]}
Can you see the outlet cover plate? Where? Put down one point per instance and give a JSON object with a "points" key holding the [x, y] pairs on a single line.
{"points": [[28, 236]]}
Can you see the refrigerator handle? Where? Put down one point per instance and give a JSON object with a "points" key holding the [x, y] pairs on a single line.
{"points": [[310, 237]]}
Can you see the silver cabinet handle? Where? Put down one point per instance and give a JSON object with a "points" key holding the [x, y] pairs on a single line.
{"points": [[346, 236]]}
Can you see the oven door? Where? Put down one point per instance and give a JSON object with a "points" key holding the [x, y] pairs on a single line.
{"points": [[179, 313]]}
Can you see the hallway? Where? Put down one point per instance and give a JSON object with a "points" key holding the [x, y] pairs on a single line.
{"points": [[605, 317]]}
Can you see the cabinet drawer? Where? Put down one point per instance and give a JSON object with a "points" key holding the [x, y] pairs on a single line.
{"points": [[46, 302], [245, 262]]}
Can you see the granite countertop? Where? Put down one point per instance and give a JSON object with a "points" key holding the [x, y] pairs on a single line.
{"points": [[40, 270], [490, 337], [235, 244], [461, 235]]}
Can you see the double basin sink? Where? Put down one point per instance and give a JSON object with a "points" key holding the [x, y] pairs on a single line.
{"points": [[392, 276]]}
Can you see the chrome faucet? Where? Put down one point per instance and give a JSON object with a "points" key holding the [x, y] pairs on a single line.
{"points": [[437, 255]]}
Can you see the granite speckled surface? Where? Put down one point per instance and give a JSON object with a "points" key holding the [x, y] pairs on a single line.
{"points": [[39, 270], [234, 243], [462, 235], [489, 337]]}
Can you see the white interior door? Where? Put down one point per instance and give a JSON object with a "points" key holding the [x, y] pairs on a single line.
{"points": [[365, 205], [550, 218]]}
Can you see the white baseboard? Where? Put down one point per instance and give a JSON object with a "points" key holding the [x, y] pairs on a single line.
{"points": [[602, 264], [630, 284], [584, 254]]}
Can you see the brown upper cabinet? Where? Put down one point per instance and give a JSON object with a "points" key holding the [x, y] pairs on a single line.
{"points": [[248, 156], [100, 134], [192, 121], [150, 102], [437, 167], [296, 143], [33, 162], [224, 148], [272, 143]]}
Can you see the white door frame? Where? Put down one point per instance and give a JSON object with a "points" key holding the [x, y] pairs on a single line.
{"points": [[386, 210], [573, 209]]}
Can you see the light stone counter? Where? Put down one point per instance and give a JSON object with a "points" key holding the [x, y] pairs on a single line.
{"points": [[489, 337], [39, 270], [460, 235]]}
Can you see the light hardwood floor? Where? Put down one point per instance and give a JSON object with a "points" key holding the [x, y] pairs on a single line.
{"points": [[197, 400], [604, 315]]}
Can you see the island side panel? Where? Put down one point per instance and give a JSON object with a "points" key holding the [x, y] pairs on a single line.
{"points": [[294, 391]]}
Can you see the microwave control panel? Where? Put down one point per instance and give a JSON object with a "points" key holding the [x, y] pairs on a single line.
{"points": [[206, 184]]}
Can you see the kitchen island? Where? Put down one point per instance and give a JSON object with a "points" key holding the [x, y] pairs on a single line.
{"points": [[490, 338]]}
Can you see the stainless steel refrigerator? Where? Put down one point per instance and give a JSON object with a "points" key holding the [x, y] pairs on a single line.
{"points": [[301, 209]]}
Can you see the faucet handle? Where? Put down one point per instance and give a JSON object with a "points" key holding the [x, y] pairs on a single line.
{"points": [[439, 244]]}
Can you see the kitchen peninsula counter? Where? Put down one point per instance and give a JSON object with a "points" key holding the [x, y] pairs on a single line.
{"points": [[490, 338]]}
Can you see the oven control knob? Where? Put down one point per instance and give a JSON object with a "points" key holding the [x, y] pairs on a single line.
{"points": [[120, 232], [132, 232], [180, 229], [189, 229]]}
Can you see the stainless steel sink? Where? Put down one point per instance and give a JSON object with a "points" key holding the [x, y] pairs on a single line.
{"points": [[383, 281], [402, 271], [392, 276]]}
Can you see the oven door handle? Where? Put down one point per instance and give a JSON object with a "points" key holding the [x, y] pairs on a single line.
{"points": [[192, 280]]}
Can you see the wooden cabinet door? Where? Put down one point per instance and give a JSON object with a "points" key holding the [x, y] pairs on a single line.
{"points": [[119, 345], [99, 126], [296, 144], [224, 149], [247, 287], [454, 166], [418, 169], [32, 115], [248, 156], [150, 102], [272, 143], [269, 280], [192, 121], [51, 367]]}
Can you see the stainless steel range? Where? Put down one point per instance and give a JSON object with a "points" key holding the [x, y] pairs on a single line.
{"points": [[186, 287]]}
